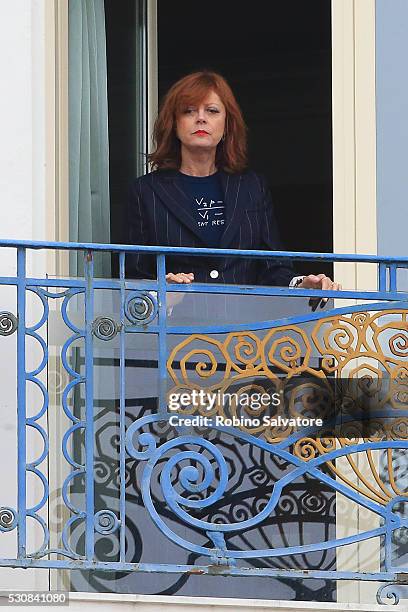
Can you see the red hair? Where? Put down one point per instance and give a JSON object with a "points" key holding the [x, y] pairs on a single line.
{"points": [[192, 89]]}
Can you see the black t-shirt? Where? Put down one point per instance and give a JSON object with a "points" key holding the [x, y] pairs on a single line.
{"points": [[207, 205]]}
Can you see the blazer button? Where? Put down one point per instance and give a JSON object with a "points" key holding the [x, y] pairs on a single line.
{"points": [[214, 274]]}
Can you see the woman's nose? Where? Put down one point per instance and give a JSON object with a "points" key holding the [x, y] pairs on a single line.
{"points": [[201, 115]]}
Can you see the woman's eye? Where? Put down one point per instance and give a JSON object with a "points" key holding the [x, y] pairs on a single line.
{"points": [[213, 110], [189, 111]]}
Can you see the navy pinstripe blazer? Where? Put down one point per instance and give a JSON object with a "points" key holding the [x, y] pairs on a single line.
{"points": [[158, 214]]}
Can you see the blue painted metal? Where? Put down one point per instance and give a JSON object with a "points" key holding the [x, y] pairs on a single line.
{"points": [[143, 309], [122, 408], [77, 470], [21, 402], [382, 277], [393, 277], [161, 277], [143, 286], [89, 407], [131, 248], [212, 569]]}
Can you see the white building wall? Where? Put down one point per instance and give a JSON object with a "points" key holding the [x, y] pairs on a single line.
{"points": [[22, 189]]}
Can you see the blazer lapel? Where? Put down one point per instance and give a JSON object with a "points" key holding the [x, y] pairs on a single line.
{"points": [[235, 205], [168, 188]]}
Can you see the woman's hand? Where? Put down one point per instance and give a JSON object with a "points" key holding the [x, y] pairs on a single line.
{"points": [[174, 298], [180, 278], [319, 281]]}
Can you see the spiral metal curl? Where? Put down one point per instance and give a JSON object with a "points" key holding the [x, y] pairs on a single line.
{"points": [[8, 519], [8, 323], [143, 439], [106, 522], [140, 307], [388, 592], [105, 328], [399, 344], [190, 479]]}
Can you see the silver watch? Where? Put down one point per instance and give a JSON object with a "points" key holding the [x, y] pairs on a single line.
{"points": [[296, 280]]}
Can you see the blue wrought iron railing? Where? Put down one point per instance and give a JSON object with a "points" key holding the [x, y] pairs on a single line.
{"points": [[187, 462]]}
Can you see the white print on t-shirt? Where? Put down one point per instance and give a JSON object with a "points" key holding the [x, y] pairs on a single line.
{"points": [[208, 211]]}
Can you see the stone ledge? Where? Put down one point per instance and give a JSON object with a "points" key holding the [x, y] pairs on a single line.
{"points": [[158, 603]]}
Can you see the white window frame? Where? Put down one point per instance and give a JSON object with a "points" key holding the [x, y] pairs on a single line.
{"points": [[354, 224]]}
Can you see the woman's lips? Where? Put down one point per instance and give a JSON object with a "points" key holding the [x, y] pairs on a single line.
{"points": [[201, 133]]}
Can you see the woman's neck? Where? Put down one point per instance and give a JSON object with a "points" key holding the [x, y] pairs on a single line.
{"points": [[200, 163]]}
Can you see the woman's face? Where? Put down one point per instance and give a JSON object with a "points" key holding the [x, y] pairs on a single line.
{"points": [[202, 126]]}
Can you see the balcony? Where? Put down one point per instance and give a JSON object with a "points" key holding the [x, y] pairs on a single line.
{"points": [[143, 407]]}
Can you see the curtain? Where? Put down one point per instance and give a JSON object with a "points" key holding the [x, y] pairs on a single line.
{"points": [[89, 216]]}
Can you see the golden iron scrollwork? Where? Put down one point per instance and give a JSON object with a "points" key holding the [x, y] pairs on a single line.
{"points": [[361, 358]]}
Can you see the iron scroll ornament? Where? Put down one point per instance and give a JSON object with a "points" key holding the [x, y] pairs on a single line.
{"points": [[140, 307], [8, 323], [105, 328], [8, 519]]}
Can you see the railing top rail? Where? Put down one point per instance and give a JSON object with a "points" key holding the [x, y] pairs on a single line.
{"points": [[163, 250]]}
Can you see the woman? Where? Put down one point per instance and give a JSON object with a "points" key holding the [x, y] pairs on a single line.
{"points": [[201, 193]]}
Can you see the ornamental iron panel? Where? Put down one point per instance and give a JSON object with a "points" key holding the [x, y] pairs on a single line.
{"points": [[186, 463]]}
